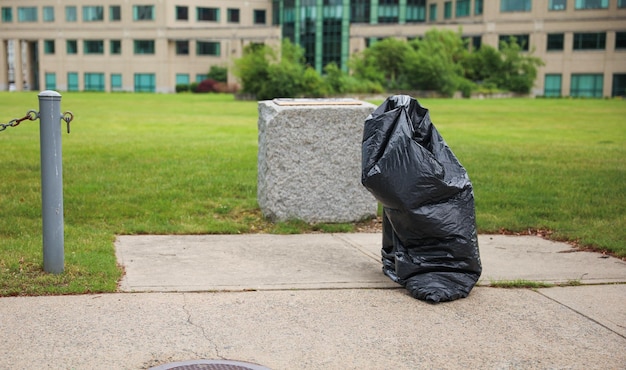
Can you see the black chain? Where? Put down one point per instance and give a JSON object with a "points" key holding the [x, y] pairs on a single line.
{"points": [[31, 115]]}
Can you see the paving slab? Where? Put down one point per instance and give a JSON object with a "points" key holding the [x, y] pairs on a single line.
{"points": [[605, 304], [331, 261], [305, 329], [244, 262]]}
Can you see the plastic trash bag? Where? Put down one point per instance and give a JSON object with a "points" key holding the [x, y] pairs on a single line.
{"points": [[430, 244]]}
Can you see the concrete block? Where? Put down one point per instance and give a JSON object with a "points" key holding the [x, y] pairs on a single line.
{"points": [[309, 161]]}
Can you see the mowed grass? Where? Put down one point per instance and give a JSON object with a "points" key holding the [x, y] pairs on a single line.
{"points": [[186, 164]]}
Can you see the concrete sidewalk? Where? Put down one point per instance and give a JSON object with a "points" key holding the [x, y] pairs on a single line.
{"points": [[320, 301]]}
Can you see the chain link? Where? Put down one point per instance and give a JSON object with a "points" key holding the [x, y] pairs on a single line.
{"points": [[31, 115]]}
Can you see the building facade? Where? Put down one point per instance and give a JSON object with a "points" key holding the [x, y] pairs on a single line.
{"points": [[153, 45]]}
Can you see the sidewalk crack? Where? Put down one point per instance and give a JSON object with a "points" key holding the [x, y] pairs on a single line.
{"points": [[202, 329]]}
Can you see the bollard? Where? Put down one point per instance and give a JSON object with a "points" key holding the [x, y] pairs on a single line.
{"points": [[51, 181]]}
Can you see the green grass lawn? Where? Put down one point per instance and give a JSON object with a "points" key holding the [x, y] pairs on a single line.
{"points": [[181, 164]]}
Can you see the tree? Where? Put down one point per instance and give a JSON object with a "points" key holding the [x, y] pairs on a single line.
{"points": [[253, 67], [381, 62], [519, 70], [434, 62], [269, 73], [218, 73]]}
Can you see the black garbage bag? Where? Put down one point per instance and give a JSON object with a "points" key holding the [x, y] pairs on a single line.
{"points": [[430, 244]]}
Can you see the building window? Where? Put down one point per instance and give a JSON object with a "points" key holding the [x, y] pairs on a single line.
{"points": [[143, 12], [587, 85], [72, 81], [182, 47], [416, 10], [207, 48], [447, 10], [232, 15], [27, 14], [478, 7], [144, 46], [94, 81], [591, 4], [208, 14], [620, 40], [552, 85], [51, 81], [182, 13], [388, 11], [477, 42], [93, 13], [557, 4], [201, 77], [259, 16], [115, 13], [48, 46], [48, 14], [432, 12], [71, 15], [93, 47], [621, 3], [360, 11], [590, 41], [522, 41], [555, 42], [462, 8], [515, 5], [182, 79], [619, 85], [71, 46], [116, 82], [7, 14], [145, 82], [116, 47]]}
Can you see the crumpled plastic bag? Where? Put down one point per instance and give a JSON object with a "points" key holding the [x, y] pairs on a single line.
{"points": [[429, 243]]}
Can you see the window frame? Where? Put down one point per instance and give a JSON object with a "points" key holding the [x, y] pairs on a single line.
{"points": [[93, 47], [49, 47], [207, 14], [560, 6], [208, 48], [144, 47], [595, 92], [462, 8], [257, 14], [181, 47], [93, 13], [7, 14], [182, 11], [512, 6], [68, 48], [589, 4], [71, 14], [115, 13], [233, 15], [555, 44], [582, 40], [620, 40], [553, 93], [142, 13], [27, 14], [115, 47], [90, 85], [47, 14]]}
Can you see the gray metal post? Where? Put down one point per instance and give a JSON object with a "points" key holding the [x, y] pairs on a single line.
{"points": [[51, 181]]}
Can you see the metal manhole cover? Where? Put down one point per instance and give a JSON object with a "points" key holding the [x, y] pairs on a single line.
{"points": [[210, 365]]}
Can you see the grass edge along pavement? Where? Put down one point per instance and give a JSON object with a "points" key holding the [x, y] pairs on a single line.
{"points": [[186, 164]]}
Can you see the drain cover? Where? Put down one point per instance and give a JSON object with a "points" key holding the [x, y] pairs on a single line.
{"points": [[210, 365]]}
